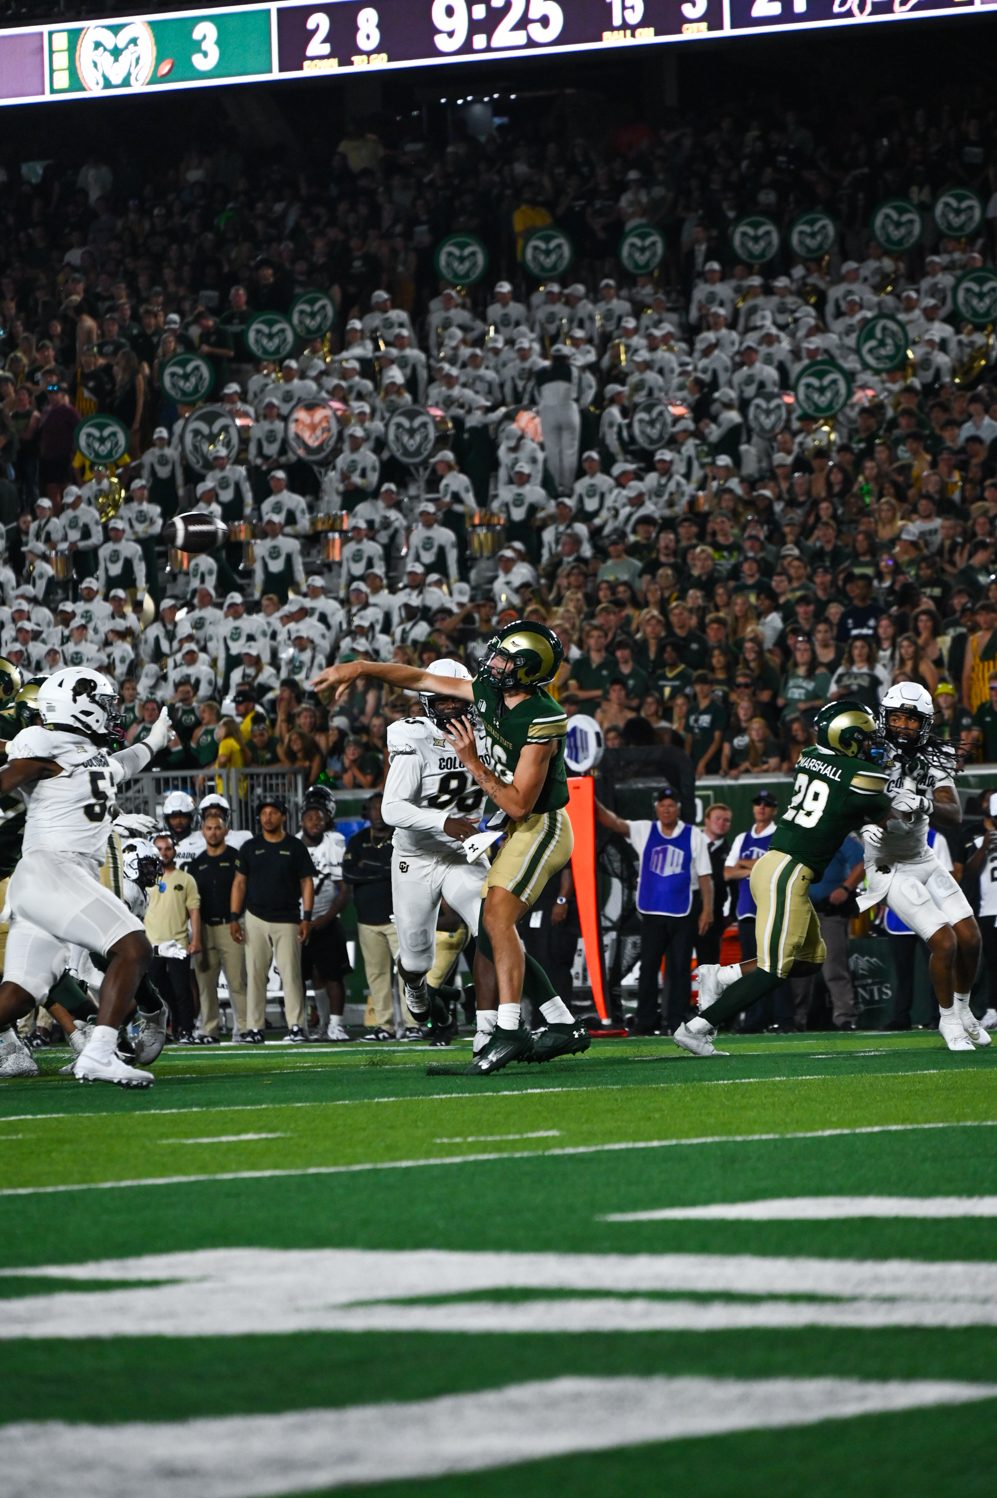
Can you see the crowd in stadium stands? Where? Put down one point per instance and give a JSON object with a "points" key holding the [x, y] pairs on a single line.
{"points": [[711, 590]]}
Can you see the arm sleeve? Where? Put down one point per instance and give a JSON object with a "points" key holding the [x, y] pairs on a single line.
{"points": [[735, 851], [299, 567], [401, 792], [639, 834], [131, 761], [701, 853]]}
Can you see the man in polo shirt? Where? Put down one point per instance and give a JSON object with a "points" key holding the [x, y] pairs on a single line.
{"points": [[273, 889], [674, 863], [592, 672], [213, 870], [174, 902]]}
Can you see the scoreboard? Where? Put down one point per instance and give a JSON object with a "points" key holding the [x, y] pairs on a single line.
{"points": [[286, 39]]}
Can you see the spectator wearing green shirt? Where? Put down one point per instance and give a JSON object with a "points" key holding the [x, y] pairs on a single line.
{"points": [[694, 647], [634, 679], [618, 567], [707, 721], [592, 672], [805, 685], [985, 721]]}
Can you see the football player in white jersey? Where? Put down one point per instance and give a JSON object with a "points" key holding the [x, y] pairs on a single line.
{"points": [[903, 872], [433, 804], [67, 773], [192, 843], [324, 954]]}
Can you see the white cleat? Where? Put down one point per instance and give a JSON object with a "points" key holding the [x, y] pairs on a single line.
{"points": [[151, 1036], [15, 1058], [699, 1040], [972, 1026], [91, 1068], [952, 1031], [989, 1020], [708, 976], [336, 1029]]}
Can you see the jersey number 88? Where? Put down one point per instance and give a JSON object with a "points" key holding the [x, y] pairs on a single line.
{"points": [[452, 791]]}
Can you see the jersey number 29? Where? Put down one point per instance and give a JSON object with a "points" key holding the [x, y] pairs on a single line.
{"points": [[809, 800]]}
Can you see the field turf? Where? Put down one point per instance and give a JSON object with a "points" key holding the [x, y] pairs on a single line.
{"points": [[312, 1269]]}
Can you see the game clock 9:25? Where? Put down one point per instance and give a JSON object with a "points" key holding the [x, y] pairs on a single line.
{"points": [[316, 38]]}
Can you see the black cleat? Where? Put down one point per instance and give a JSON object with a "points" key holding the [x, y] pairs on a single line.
{"points": [[565, 1039], [443, 1021], [504, 1046]]}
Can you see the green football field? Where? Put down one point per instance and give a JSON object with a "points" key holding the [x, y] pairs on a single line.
{"points": [[304, 1270]]}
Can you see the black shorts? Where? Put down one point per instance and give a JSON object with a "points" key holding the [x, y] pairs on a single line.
{"points": [[325, 953]]}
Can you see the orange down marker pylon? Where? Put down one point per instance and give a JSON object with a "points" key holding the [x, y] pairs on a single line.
{"points": [[581, 814]]}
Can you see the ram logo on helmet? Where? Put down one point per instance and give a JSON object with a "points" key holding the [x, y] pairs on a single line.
{"points": [[846, 728], [522, 655]]}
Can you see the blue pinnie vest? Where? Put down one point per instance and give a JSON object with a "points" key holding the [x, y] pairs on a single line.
{"points": [[665, 884], [752, 847], [894, 925]]}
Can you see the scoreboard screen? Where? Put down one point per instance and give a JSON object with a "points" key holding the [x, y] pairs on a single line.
{"points": [[191, 49]]}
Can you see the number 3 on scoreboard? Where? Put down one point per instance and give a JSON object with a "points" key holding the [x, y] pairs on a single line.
{"points": [[205, 32], [809, 800]]}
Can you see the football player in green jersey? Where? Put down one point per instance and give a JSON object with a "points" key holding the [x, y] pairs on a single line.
{"points": [[836, 791], [525, 778]]}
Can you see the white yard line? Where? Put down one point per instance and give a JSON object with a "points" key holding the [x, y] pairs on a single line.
{"points": [[256, 1456], [478, 1158], [818, 1209]]}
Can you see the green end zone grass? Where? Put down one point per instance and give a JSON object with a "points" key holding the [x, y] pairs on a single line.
{"points": [[519, 1194]]}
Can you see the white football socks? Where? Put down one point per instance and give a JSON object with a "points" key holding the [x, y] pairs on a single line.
{"points": [[508, 1016], [556, 1012], [487, 1020], [728, 975]]}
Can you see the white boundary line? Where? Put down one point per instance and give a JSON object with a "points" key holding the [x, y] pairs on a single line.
{"points": [[477, 1159]]}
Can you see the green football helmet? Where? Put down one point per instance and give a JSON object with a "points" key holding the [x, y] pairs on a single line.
{"points": [[846, 728], [24, 704], [529, 653]]}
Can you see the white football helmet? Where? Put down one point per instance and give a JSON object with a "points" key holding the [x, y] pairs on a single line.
{"points": [[142, 863], [178, 804], [78, 700], [907, 697], [214, 802], [429, 700]]}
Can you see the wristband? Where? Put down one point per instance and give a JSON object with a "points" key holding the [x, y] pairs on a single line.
{"points": [[306, 915], [560, 900], [234, 917]]}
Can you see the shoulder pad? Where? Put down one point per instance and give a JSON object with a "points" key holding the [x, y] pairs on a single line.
{"points": [[405, 735], [869, 780], [41, 743]]}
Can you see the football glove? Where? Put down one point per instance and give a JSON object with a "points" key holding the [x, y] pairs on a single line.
{"points": [[161, 730]]}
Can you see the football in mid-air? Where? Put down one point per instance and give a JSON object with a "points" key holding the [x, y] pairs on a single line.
{"points": [[195, 532]]}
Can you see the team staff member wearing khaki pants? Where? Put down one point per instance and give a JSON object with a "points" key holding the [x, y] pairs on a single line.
{"points": [[214, 871], [367, 870], [274, 883]]}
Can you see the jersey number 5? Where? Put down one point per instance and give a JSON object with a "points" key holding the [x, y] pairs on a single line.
{"points": [[809, 800], [100, 790]]}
